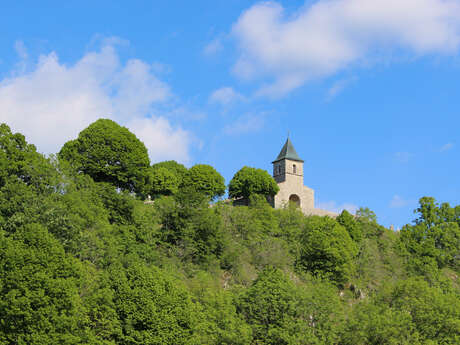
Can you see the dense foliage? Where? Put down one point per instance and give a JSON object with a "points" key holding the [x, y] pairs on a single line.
{"points": [[109, 153], [165, 178], [85, 261], [249, 181], [204, 179]]}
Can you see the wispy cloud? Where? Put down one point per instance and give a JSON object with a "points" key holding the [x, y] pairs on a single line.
{"points": [[338, 87], [213, 47], [398, 202], [225, 96], [21, 50], [403, 157], [327, 36], [51, 101], [333, 206], [446, 147], [245, 124]]}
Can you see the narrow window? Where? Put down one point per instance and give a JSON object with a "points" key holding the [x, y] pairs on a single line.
{"points": [[294, 169]]}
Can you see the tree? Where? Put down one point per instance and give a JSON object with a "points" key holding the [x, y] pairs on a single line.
{"points": [[165, 178], [411, 312], [280, 312], [39, 297], [367, 214], [327, 249], [161, 181], [204, 179], [21, 163], [248, 181], [109, 153], [434, 239], [178, 169], [267, 303], [153, 309], [348, 222]]}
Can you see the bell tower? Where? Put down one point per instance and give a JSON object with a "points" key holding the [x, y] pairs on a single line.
{"points": [[288, 174], [288, 165]]}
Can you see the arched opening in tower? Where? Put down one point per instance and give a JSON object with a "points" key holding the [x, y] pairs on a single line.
{"points": [[295, 200]]}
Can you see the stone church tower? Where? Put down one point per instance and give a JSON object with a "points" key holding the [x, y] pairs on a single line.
{"points": [[288, 174]]}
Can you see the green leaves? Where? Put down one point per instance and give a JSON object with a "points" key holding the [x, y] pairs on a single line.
{"points": [[248, 181], [84, 261], [152, 308], [435, 236], [109, 153], [410, 312], [162, 181], [327, 249], [204, 179], [281, 312], [39, 301]]}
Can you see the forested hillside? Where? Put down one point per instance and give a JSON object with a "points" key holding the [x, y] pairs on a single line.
{"points": [[84, 260]]}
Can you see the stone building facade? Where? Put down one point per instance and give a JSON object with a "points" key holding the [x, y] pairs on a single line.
{"points": [[288, 171]]}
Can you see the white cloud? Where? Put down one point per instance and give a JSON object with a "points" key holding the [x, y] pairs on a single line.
{"points": [[225, 96], [337, 208], [398, 202], [328, 36], [338, 87], [403, 157], [21, 49], [52, 102], [213, 47], [161, 139], [446, 147], [245, 124]]}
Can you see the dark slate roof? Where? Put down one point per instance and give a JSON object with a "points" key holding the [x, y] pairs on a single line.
{"points": [[288, 152]]}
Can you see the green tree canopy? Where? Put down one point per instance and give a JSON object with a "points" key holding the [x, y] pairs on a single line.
{"points": [[280, 312], [161, 181], [178, 169], [349, 222], [20, 162], [110, 153], [435, 237], [165, 178], [327, 249], [204, 179], [39, 301], [152, 308], [248, 181], [366, 214]]}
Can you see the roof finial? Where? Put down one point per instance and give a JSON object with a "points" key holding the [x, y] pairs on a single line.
{"points": [[289, 132]]}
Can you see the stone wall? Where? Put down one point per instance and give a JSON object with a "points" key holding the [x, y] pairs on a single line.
{"points": [[319, 212], [291, 188]]}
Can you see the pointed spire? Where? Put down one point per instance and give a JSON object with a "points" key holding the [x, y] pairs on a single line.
{"points": [[288, 152]]}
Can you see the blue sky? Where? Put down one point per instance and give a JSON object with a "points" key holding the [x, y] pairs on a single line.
{"points": [[369, 90]]}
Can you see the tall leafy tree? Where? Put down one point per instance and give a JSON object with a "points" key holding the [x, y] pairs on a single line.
{"points": [[178, 169], [248, 181], [39, 297], [327, 249], [280, 312], [20, 162], [161, 181], [151, 307], [434, 240], [204, 179], [110, 153], [165, 178], [349, 222]]}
